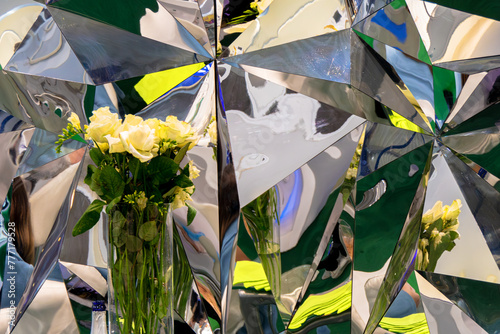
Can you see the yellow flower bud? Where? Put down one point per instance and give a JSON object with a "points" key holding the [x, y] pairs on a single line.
{"points": [[74, 120]]}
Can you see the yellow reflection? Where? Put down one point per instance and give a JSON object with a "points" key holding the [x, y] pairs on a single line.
{"points": [[251, 275], [412, 324], [154, 85], [336, 301], [401, 122]]}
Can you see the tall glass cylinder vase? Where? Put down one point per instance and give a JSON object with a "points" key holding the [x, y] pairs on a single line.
{"points": [[140, 269], [261, 217]]}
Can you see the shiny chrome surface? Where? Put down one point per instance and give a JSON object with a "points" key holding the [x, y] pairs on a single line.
{"points": [[45, 52], [445, 32], [457, 298], [324, 57], [37, 100], [385, 144], [110, 54], [188, 13], [15, 25], [333, 105], [482, 200], [282, 22], [265, 113]]}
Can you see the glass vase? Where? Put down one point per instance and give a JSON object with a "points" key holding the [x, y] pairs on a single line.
{"points": [[140, 269], [261, 218]]}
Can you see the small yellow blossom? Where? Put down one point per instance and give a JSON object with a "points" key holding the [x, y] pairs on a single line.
{"points": [[194, 172], [74, 120]]}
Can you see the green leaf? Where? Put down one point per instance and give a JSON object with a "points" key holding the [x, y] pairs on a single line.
{"points": [[90, 172], [119, 236], [95, 182], [96, 155], [183, 181], [191, 214], [162, 168], [134, 244], [148, 231], [182, 152], [118, 220], [112, 204], [112, 184], [89, 218]]}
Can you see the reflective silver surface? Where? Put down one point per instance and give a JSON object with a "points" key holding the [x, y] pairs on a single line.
{"points": [[15, 25], [373, 76], [13, 148], [282, 22], [339, 122], [445, 32], [188, 14], [38, 100], [266, 113], [482, 199], [45, 52], [338, 95], [110, 54], [458, 295], [324, 57]]}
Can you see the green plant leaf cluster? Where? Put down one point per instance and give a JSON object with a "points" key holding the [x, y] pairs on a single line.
{"points": [[119, 178]]}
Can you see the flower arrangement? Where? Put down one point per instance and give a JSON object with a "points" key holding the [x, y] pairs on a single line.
{"points": [[437, 234], [138, 175]]}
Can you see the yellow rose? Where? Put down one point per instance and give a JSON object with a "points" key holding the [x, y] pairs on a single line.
{"points": [[74, 120], [154, 123], [194, 172], [102, 123], [140, 141], [115, 144], [178, 131]]}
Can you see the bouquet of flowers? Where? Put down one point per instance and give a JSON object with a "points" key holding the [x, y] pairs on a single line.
{"points": [[138, 175]]}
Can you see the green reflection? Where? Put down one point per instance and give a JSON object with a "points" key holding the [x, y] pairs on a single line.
{"points": [[378, 227]]}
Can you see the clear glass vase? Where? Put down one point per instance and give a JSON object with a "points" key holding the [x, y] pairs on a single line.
{"points": [[261, 217], [140, 269]]}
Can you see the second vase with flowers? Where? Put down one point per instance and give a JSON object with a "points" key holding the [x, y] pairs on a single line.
{"points": [[139, 177]]}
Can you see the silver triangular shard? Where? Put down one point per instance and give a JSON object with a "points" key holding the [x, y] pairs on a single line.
{"points": [[482, 199], [50, 311], [41, 150], [442, 36], [281, 22], [402, 262], [374, 76], [477, 300], [480, 95], [368, 7], [188, 13], [45, 52], [472, 66], [117, 54], [44, 102], [324, 57], [13, 147], [385, 144], [48, 226], [393, 25], [192, 100], [18, 17]]}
